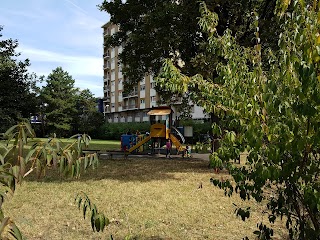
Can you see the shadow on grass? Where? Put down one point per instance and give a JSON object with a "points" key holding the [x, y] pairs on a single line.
{"points": [[133, 169]]}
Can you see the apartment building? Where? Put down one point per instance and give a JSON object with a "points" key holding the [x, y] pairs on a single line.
{"points": [[132, 107]]}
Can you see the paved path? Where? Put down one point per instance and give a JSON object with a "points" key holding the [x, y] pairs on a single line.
{"points": [[202, 156]]}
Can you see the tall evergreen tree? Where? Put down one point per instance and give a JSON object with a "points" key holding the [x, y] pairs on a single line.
{"points": [[58, 97]]}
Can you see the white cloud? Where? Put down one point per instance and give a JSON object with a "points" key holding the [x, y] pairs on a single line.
{"points": [[59, 33], [19, 13], [77, 65], [92, 85]]}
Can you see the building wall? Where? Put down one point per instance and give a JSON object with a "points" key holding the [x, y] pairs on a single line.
{"points": [[121, 107]]}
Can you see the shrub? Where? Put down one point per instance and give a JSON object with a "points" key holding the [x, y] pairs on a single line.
{"points": [[113, 131]]}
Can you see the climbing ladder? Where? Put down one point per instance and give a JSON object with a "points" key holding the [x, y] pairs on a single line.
{"points": [[139, 144]]}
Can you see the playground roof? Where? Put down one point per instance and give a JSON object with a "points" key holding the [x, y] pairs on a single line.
{"points": [[159, 112]]}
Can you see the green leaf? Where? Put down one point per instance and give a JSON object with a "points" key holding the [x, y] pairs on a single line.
{"points": [[73, 169], [79, 202], [97, 222], [4, 222], [29, 154], [62, 165], [15, 232], [84, 210], [10, 130], [49, 159], [86, 162]]}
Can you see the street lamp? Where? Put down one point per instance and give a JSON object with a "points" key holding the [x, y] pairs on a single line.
{"points": [[105, 111]]}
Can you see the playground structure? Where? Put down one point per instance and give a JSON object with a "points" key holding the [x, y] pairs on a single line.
{"points": [[159, 132]]}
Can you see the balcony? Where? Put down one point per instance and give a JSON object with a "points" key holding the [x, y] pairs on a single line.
{"points": [[106, 89], [130, 107], [106, 55], [107, 66], [131, 94], [106, 98], [106, 79]]}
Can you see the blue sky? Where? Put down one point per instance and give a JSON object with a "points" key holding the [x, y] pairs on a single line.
{"points": [[54, 33]]}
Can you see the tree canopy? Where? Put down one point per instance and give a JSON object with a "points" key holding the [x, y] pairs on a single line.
{"points": [[17, 98], [58, 98], [270, 111], [87, 118], [153, 30]]}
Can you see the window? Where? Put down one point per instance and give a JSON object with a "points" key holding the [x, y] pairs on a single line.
{"points": [[120, 93], [142, 101], [112, 94], [153, 99], [119, 49], [112, 83], [153, 84], [142, 87], [112, 105], [120, 68]]}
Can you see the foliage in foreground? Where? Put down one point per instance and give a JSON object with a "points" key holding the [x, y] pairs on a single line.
{"points": [[271, 111], [98, 220], [16, 162]]}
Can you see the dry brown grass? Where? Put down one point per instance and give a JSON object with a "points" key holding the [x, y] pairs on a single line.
{"points": [[145, 198]]}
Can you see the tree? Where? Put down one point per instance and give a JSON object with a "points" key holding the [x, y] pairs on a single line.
{"points": [[88, 119], [17, 95], [271, 111], [58, 97], [153, 30], [19, 158]]}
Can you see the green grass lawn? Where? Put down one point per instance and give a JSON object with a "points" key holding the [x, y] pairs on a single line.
{"points": [[144, 198], [102, 145]]}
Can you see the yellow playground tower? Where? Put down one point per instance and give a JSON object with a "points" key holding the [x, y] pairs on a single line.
{"points": [[160, 131]]}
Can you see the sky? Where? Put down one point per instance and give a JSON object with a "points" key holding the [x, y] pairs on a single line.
{"points": [[53, 33]]}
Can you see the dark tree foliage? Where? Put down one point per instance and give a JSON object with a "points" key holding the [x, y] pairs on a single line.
{"points": [[17, 98], [87, 118], [59, 99], [157, 29], [153, 30]]}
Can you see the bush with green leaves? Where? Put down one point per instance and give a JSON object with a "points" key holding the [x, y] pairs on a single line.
{"points": [[19, 158], [273, 105], [113, 131]]}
